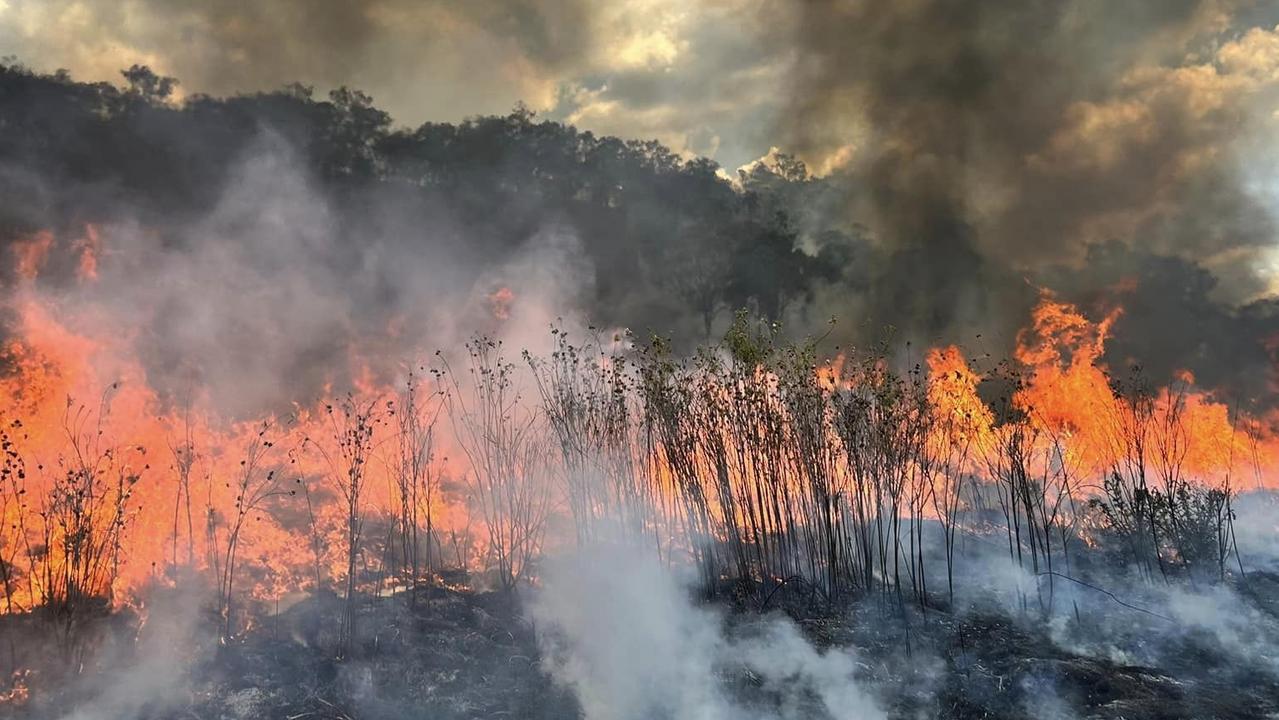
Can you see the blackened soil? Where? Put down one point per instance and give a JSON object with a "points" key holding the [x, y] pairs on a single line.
{"points": [[447, 654]]}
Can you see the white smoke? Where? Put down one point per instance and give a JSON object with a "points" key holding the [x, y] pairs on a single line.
{"points": [[620, 630], [146, 672]]}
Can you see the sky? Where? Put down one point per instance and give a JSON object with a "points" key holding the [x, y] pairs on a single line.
{"points": [[1031, 127], [704, 77]]}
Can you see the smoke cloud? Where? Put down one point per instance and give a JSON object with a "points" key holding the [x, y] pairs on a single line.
{"points": [[968, 154], [622, 632], [983, 142]]}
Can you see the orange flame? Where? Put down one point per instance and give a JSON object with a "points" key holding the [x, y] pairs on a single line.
{"points": [[89, 248], [500, 303], [187, 468], [31, 253]]}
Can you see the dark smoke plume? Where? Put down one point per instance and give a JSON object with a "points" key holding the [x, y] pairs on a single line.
{"points": [[987, 142]]}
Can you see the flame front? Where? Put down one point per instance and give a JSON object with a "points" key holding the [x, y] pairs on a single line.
{"points": [[99, 463]]}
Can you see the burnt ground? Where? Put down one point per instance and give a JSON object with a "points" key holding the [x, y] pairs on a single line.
{"points": [[449, 655], [461, 654]]}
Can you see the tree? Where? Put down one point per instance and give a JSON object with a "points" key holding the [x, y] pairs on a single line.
{"points": [[354, 135], [146, 84]]}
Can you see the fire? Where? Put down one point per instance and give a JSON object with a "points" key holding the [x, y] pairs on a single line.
{"points": [[96, 453], [500, 303], [19, 693], [1070, 395], [1067, 392], [952, 390], [89, 248], [31, 253], [160, 488]]}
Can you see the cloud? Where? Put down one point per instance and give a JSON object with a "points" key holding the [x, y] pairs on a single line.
{"points": [[682, 72], [420, 59]]}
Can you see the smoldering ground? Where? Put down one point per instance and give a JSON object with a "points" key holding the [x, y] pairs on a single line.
{"points": [[627, 635], [622, 631]]}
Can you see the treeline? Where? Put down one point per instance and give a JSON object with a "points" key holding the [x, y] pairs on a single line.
{"points": [[666, 236], [666, 244]]}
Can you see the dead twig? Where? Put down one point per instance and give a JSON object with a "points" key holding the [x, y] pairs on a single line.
{"points": [[1108, 594]]}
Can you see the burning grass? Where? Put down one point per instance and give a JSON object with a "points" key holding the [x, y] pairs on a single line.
{"points": [[779, 474]]}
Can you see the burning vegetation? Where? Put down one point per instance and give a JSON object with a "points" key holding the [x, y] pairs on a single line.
{"points": [[785, 479], [260, 457]]}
